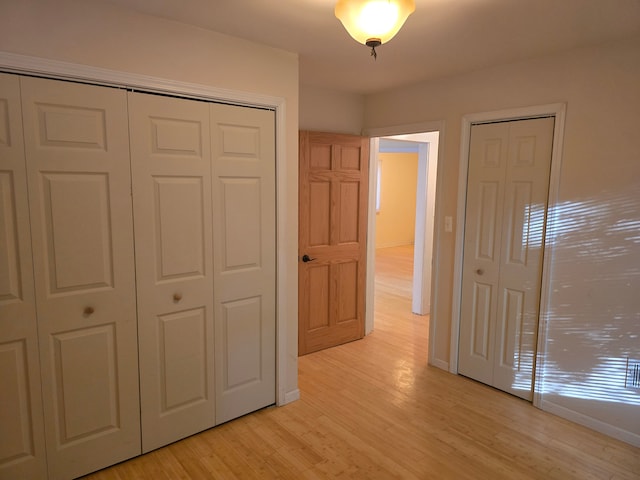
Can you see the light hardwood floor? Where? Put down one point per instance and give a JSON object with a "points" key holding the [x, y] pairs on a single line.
{"points": [[374, 409]]}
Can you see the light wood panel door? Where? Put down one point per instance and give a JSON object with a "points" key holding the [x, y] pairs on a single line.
{"points": [[171, 174], [507, 193], [332, 239], [22, 452], [77, 152], [244, 258]]}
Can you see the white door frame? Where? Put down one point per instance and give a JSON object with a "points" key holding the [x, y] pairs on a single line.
{"points": [[557, 110], [22, 64], [375, 133]]}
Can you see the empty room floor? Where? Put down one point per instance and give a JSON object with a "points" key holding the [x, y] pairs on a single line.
{"points": [[374, 409]]}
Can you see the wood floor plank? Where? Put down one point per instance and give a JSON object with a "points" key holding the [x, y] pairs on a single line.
{"points": [[374, 409]]}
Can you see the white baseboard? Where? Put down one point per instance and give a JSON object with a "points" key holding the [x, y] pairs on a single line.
{"points": [[440, 364], [590, 422], [291, 396]]}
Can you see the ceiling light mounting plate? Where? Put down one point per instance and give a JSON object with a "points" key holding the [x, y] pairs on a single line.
{"points": [[373, 43]]}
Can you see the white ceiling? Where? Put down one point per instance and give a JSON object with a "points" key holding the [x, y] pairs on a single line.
{"points": [[441, 38]]}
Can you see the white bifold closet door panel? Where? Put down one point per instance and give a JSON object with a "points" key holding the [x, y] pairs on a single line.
{"points": [[171, 173], [77, 153], [244, 239], [508, 181], [22, 451]]}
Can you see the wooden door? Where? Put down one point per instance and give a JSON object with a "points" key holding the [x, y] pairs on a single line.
{"points": [[507, 190], [77, 152], [244, 258], [171, 174], [332, 239], [22, 452]]}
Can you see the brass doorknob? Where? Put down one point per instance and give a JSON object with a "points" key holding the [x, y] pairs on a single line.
{"points": [[88, 310], [177, 297]]}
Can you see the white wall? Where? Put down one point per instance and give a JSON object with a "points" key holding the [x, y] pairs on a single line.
{"points": [[594, 312], [325, 110], [110, 37]]}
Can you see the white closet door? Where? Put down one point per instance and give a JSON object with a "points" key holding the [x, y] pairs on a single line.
{"points": [[22, 453], [481, 266], [504, 238], [244, 198], [523, 231], [77, 151], [171, 170]]}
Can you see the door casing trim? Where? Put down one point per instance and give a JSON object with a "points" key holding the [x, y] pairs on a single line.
{"points": [[558, 111]]}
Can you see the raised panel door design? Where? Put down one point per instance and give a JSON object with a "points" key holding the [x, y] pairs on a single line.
{"points": [[77, 231], [180, 227], [350, 158], [333, 189], [239, 141], [349, 211], [67, 126], [511, 335], [183, 367], [5, 120], [493, 152], [22, 446], [86, 392], [500, 297], [519, 222], [480, 320], [319, 218], [487, 217], [179, 137], [242, 327], [525, 151], [320, 157], [242, 226], [243, 158], [15, 415], [171, 174], [10, 274], [347, 292], [77, 152], [318, 304]]}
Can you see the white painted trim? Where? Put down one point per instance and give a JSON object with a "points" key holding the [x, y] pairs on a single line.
{"points": [[22, 64], [374, 146], [418, 300], [291, 396], [425, 223], [590, 422], [551, 228], [440, 364], [11, 62], [434, 322], [556, 110]]}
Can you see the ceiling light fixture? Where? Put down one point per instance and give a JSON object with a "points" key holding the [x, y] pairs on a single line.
{"points": [[373, 22]]}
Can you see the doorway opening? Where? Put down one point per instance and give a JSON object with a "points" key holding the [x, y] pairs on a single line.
{"points": [[424, 145]]}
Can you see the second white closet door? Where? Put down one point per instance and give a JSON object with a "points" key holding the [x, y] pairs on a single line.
{"points": [[171, 171]]}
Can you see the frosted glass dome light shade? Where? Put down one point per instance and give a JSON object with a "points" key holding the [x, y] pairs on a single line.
{"points": [[373, 20]]}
